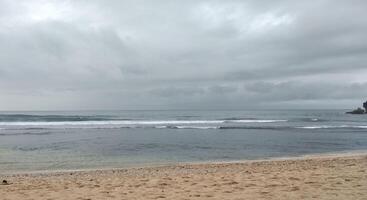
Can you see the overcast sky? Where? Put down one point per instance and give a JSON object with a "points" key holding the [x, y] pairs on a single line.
{"points": [[183, 54]]}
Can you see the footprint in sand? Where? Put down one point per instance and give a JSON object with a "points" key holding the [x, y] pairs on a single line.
{"points": [[250, 185], [293, 179], [295, 188]]}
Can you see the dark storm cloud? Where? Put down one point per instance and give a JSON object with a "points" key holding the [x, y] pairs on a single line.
{"points": [[186, 54]]}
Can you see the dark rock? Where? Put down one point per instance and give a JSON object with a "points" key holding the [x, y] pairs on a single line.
{"points": [[5, 182], [358, 111]]}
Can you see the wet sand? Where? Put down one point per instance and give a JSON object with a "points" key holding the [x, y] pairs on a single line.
{"points": [[322, 177]]}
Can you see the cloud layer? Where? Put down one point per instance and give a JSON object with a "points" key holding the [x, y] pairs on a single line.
{"points": [[182, 54]]}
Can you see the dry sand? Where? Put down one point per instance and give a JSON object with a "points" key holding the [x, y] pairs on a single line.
{"points": [[342, 177]]}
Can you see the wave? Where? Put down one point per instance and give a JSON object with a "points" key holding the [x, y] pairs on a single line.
{"points": [[54, 118], [256, 120], [188, 127], [130, 122], [147, 127], [252, 127], [308, 120], [256, 127], [252, 120], [25, 133], [238, 118], [109, 122], [43, 131], [332, 127]]}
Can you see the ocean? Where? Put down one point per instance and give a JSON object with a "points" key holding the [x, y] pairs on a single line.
{"points": [[81, 140]]}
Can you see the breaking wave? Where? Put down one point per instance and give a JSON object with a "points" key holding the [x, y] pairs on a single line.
{"points": [[332, 127], [130, 122], [42, 123]]}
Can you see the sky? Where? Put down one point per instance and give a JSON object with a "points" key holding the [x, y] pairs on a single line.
{"points": [[175, 54]]}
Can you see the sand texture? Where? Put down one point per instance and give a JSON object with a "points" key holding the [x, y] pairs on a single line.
{"points": [[342, 177]]}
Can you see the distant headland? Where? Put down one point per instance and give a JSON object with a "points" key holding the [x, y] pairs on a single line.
{"points": [[360, 110]]}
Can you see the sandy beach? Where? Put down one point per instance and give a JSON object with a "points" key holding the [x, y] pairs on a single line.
{"points": [[316, 177]]}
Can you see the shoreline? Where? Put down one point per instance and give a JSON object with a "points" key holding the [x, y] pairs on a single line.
{"points": [[338, 154], [341, 176]]}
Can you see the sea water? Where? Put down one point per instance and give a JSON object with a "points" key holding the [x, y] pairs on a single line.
{"points": [[65, 140]]}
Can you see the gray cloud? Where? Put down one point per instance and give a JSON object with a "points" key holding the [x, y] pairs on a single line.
{"points": [[288, 91], [186, 54]]}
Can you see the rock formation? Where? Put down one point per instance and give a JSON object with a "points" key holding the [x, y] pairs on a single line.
{"points": [[357, 111], [360, 110]]}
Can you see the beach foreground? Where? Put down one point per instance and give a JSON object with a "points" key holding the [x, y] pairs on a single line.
{"points": [[326, 177]]}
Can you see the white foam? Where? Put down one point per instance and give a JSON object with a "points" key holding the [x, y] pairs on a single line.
{"points": [[326, 127], [313, 127], [132, 122], [160, 127], [112, 122], [257, 120], [196, 127]]}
